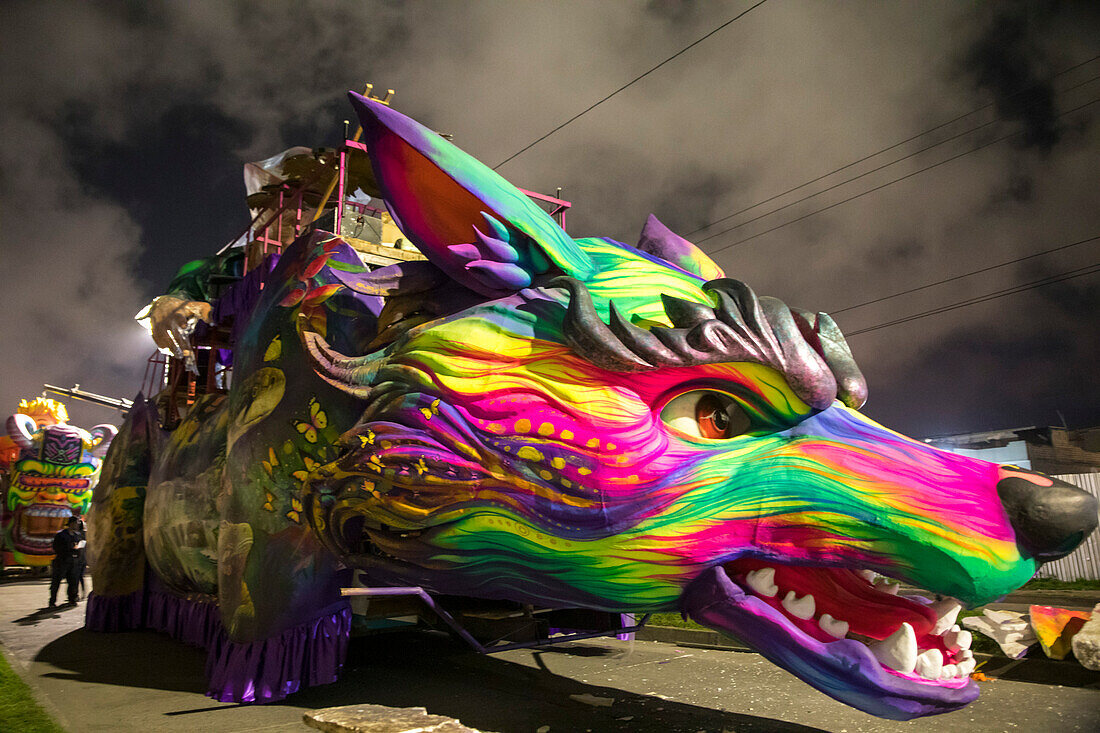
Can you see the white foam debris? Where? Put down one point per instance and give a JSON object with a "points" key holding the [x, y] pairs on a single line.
{"points": [[1008, 629]]}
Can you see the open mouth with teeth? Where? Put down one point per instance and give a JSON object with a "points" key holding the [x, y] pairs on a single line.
{"points": [[843, 632], [33, 527]]}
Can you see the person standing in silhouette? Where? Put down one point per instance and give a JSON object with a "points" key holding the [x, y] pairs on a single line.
{"points": [[66, 561]]}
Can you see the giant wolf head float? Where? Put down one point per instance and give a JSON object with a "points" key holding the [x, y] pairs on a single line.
{"points": [[580, 422]]}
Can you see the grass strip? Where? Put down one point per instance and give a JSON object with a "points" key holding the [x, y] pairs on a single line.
{"points": [[674, 619], [1055, 584], [18, 709]]}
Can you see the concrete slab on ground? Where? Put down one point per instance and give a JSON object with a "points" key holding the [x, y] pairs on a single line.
{"points": [[142, 681]]}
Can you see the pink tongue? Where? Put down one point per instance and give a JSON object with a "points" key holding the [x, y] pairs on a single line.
{"points": [[846, 596]]}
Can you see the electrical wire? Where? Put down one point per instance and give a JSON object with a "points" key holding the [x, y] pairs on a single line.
{"points": [[1050, 280], [876, 188], [966, 274], [633, 81], [861, 175], [891, 147]]}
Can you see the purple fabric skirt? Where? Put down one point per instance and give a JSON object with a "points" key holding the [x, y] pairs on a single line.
{"points": [[260, 671]]}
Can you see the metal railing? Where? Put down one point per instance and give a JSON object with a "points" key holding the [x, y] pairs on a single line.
{"points": [[267, 227], [465, 635]]}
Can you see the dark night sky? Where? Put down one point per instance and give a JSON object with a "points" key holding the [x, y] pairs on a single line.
{"points": [[125, 126]]}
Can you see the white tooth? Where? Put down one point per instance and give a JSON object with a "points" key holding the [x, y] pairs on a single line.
{"points": [[949, 671], [869, 575], [929, 664], [947, 612], [886, 587], [802, 608], [965, 668], [831, 626], [955, 639], [762, 581], [898, 651], [964, 655]]}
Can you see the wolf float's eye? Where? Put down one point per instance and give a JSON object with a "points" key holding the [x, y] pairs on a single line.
{"points": [[704, 413]]}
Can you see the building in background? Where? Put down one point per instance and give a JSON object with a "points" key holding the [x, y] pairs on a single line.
{"points": [[1049, 450]]}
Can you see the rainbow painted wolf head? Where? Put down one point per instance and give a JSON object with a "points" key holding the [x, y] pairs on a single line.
{"points": [[580, 422], [625, 428]]}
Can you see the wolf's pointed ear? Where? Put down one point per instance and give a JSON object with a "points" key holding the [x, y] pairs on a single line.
{"points": [[474, 225], [659, 240]]}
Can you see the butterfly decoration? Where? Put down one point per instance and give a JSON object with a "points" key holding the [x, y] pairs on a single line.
{"points": [[432, 409], [271, 462], [308, 465], [274, 349], [294, 514], [318, 421]]}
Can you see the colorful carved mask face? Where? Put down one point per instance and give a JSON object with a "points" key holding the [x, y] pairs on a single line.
{"points": [[52, 480], [586, 423]]}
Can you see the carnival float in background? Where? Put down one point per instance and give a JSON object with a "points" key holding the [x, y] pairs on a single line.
{"points": [[463, 406], [48, 470]]}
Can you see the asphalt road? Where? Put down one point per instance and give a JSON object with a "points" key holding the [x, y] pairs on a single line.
{"points": [[142, 681]]}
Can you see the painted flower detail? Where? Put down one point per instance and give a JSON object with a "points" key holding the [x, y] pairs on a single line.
{"points": [[269, 504], [309, 295], [367, 439], [318, 420]]}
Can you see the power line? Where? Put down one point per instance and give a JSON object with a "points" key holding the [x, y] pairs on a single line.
{"points": [[966, 274], [636, 79], [1060, 277], [869, 172], [876, 188], [853, 178], [891, 147], [847, 180]]}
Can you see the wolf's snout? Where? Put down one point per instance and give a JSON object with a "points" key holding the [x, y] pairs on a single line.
{"points": [[1051, 517]]}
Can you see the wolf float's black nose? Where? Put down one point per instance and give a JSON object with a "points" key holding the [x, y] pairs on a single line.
{"points": [[1051, 517]]}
